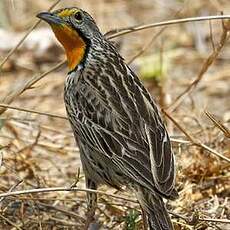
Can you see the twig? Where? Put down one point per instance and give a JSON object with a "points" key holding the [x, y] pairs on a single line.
{"points": [[194, 219], [180, 127], [178, 215], [65, 222], [214, 152], [218, 124], [25, 36], [224, 221], [143, 49], [77, 178], [11, 96], [194, 141], [119, 32], [180, 141], [207, 63], [63, 189], [63, 210], [11, 189], [147, 46], [32, 111], [47, 145], [211, 35], [10, 222], [140, 52]]}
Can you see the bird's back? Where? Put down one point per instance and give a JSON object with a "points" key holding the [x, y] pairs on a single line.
{"points": [[115, 116]]}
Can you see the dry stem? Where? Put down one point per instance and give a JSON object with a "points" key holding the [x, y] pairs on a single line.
{"points": [[119, 32], [11, 96], [32, 111], [25, 36], [194, 141], [10, 222], [61, 189], [208, 62], [218, 124]]}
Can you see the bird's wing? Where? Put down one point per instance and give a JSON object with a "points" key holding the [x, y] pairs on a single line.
{"points": [[121, 121]]}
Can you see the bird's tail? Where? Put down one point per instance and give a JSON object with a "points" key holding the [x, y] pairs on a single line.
{"points": [[154, 210]]}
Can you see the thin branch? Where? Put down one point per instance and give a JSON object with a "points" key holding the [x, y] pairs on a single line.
{"points": [[155, 36], [207, 63], [178, 215], [146, 47], [32, 111], [218, 124], [224, 221], [191, 139], [63, 210], [11, 96], [64, 189], [214, 152], [65, 222], [119, 32], [211, 35], [10, 222], [195, 218], [179, 141], [25, 36], [194, 141], [11, 189]]}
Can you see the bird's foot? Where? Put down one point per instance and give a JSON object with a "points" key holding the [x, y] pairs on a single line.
{"points": [[91, 223]]}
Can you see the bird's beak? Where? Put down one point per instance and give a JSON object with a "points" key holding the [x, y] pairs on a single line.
{"points": [[50, 18]]}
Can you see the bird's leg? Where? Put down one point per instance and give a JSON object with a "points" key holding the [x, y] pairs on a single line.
{"points": [[91, 203], [144, 218], [138, 193]]}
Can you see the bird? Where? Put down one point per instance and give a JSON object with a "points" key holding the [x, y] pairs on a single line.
{"points": [[115, 121]]}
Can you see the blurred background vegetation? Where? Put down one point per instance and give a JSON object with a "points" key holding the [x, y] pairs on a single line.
{"points": [[39, 151]]}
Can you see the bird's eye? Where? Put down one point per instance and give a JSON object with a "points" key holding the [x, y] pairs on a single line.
{"points": [[78, 16]]}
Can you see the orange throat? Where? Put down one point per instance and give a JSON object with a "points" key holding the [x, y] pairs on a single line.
{"points": [[72, 42]]}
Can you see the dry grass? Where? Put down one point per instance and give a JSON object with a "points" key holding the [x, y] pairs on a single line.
{"points": [[42, 185]]}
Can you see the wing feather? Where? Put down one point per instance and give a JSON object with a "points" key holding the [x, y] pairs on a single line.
{"points": [[124, 124]]}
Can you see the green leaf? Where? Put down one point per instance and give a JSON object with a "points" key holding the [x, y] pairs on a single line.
{"points": [[131, 220]]}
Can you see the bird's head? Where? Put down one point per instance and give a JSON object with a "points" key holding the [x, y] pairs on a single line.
{"points": [[74, 29]]}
